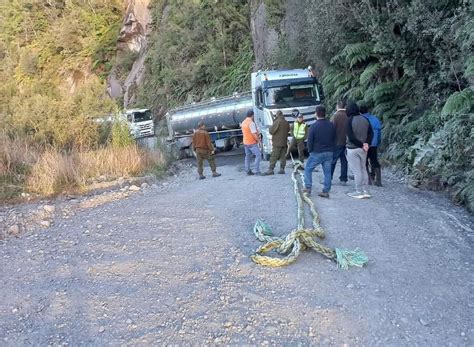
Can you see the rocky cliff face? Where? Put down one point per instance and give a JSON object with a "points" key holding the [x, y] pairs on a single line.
{"points": [[265, 38], [132, 42], [268, 40]]}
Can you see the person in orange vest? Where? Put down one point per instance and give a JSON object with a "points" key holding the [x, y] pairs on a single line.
{"points": [[299, 132], [204, 150], [251, 143]]}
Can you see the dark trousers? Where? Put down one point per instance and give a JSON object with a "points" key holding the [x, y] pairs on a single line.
{"points": [[203, 154], [372, 159], [340, 153], [300, 145], [278, 153]]}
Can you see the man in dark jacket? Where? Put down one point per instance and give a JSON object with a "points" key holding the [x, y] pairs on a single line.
{"points": [[279, 131], [321, 141], [340, 122], [359, 136], [204, 150]]}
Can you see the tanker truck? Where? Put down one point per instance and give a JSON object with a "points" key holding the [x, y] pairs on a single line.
{"points": [[283, 90], [222, 117], [273, 90]]}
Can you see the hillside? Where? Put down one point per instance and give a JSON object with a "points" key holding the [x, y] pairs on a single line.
{"points": [[411, 62]]}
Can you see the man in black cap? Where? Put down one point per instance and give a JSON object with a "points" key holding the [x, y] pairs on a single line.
{"points": [[359, 136]]}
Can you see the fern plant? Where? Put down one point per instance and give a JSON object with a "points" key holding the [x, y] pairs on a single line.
{"points": [[459, 102]]}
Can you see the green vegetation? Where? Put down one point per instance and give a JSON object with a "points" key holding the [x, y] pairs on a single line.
{"points": [[412, 62], [198, 49], [54, 57]]}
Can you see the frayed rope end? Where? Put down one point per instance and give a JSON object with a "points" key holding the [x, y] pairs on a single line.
{"points": [[264, 227], [346, 258]]}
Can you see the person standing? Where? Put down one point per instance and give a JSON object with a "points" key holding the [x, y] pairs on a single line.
{"points": [[359, 135], [299, 130], [339, 119], [279, 131], [204, 150], [251, 139], [321, 142], [375, 173]]}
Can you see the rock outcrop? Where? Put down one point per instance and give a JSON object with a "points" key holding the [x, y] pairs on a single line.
{"points": [[265, 38], [132, 39]]}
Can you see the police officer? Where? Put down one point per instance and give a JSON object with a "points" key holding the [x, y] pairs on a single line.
{"points": [[299, 132], [204, 150], [279, 131]]}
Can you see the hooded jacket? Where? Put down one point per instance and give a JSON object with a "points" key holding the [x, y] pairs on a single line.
{"points": [[359, 130]]}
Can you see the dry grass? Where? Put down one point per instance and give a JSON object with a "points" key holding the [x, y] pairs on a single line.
{"points": [[49, 171], [54, 173], [16, 155], [57, 172]]}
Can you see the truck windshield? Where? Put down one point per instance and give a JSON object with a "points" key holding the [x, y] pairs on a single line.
{"points": [[141, 116], [292, 96]]}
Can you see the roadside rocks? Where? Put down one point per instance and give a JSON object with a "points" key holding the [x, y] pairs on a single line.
{"points": [[14, 230], [49, 208], [39, 215], [45, 223]]}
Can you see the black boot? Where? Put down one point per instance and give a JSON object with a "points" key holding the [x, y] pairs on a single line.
{"points": [[369, 175], [378, 177]]}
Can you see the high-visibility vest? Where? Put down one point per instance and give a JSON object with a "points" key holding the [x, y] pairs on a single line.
{"points": [[299, 130], [249, 139]]}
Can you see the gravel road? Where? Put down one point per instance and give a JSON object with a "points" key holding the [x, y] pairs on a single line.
{"points": [[169, 264]]}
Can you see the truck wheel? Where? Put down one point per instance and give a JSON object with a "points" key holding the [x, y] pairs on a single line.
{"points": [[229, 145], [266, 156]]}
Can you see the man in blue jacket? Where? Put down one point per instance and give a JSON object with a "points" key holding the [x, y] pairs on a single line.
{"points": [[375, 173], [321, 142]]}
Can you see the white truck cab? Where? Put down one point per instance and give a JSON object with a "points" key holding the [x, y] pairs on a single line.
{"points": [[283, 90], [140, 122]]}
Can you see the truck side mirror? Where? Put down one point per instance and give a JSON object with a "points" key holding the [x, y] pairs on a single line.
{"points": [[259, 98]]}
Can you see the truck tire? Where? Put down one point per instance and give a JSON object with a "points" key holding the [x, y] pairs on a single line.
{"points": [[266, 156]]}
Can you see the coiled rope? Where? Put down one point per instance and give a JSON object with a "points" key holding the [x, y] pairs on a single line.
{"points": [[301, 237]]}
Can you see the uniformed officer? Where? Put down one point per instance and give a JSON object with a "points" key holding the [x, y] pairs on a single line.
{"points": [[279, 131], [204, 150], [299, 132]]}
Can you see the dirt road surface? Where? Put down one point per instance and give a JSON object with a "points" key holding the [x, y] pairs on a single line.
{"points": [[170, 265]]}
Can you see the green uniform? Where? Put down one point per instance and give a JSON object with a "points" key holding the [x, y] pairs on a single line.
{"points": [[204, 149], [279, 131], [204, 154]]}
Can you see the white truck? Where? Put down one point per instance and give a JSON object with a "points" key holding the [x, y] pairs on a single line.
{"points": [[274, 90], [283, 90], [140, 122]]}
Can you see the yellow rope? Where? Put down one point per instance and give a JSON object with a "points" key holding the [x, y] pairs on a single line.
{"points": [[300, 238]]}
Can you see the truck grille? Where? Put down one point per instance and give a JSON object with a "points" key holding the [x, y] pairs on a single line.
{"points": [[145, 126]]}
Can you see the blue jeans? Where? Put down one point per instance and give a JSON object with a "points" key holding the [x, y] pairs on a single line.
{"points": [[340, 153], [325, 159], [249, 151]]}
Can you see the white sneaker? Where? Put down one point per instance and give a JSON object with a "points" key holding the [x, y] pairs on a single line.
{"points": [[366, 194], [356, 195]]}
